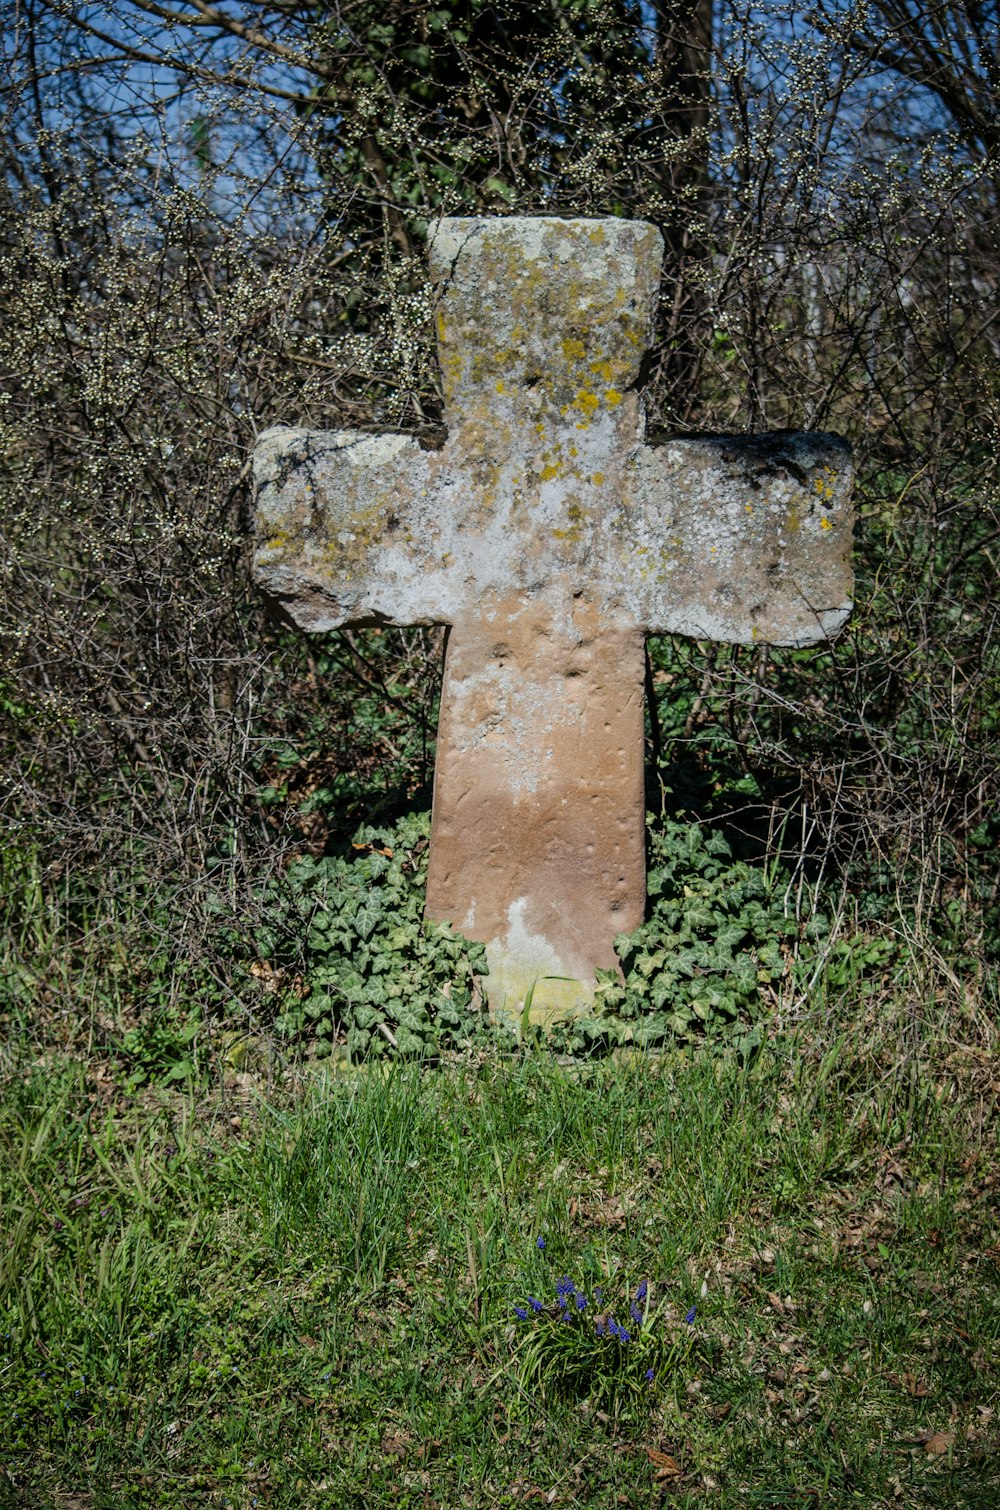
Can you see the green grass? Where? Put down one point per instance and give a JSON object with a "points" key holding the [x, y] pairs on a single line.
{"points": [[306, 1300]]}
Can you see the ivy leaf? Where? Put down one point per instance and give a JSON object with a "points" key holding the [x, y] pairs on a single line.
{"points": [[398, 940], [358, 1040], [375, 992], [317, 1004], [408, 1042], [662, 991], [743, 973], [652, 1029], [647, 963], [731, 936], [366, 1016], [366, 918], [411, 1017]]}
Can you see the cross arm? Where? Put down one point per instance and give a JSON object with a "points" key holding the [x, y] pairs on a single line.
{"points": [[744, 539], [347, 528]]}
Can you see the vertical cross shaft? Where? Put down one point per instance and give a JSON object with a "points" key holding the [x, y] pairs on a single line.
{"points": [[538, 833]]}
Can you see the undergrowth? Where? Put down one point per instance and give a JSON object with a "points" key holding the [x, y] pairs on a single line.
{"points": [[348, 959]]}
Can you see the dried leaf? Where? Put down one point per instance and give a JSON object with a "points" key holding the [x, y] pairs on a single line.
{"points": [[915, 1387], [939, 1443], [266, 975], [666, 1467]]}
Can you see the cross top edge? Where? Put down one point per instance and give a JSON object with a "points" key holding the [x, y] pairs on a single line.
{"points": [[528, 302]]}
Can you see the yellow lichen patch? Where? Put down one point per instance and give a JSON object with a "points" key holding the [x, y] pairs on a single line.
{"points": [[612, 397], [578, 519], [598, 479], [825, 524], [549, 471], [500, 387], [606, 370], [488, 360], [573, 350], [586, 401], [451, 371]]}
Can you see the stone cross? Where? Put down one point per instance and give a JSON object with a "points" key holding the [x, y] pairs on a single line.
{"points": [[551, 537]]}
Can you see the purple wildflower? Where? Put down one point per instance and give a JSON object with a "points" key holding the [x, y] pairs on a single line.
{"points": [[581, 1302], [635, 1314], [641, 1290], [536, 1305], [565, 1286], [624, 1336], [689, 1318], [613, 1327], [600, 1326], [650, 1375], [520, 1313], [540, 1244], [598, 1293]]}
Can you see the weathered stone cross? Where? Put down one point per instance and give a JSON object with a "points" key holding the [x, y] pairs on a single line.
{"points": [[551, 538]]}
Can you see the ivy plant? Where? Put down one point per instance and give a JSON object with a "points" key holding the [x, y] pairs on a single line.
{"points": [[376, 972], [381, 978], [717, 932]]}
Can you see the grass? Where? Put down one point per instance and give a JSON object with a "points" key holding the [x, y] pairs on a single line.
{"points": [[305, 1298]]}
